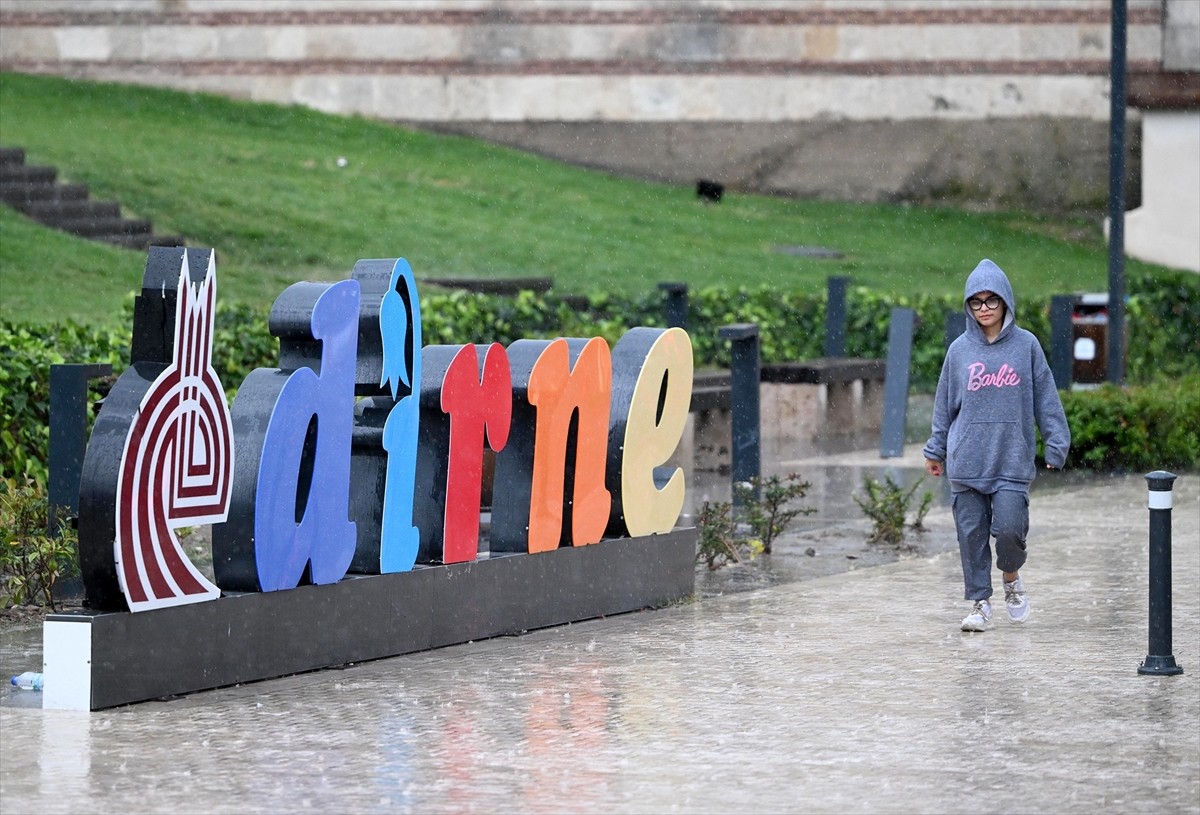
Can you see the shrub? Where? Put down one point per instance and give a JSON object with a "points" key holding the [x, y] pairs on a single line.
{"points": [[1163, 340], [765, 504], [1143, 427], [31, 560], [764, 510], [26, 354], [717, 544], [887, 504], [1164, 326]]}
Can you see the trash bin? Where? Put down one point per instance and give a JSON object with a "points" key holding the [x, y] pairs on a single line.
{"points": [[1089, 339]]}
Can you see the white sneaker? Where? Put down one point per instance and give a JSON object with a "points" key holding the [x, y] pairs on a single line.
{"points": [[979, 617], [1016, 600]]}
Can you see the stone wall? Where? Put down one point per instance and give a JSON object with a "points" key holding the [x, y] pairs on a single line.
{"points": [[995, 101]]}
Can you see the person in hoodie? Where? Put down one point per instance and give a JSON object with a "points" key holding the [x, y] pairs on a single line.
{"points": [[994, 386]]}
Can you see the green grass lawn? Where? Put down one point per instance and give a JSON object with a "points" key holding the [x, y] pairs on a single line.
{"points": [[262, 184]]}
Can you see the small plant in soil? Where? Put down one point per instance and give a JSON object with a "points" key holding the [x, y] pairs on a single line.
{"points": [[31, 560], [768, 507], [764, 510], [887, 504]]}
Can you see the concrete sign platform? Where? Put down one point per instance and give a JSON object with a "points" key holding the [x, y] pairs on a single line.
{"points": [[101, 660]]}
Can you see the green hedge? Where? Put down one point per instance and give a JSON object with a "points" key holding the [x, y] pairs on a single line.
{"points": [[26, 354], [1144, 428], [1163, 341]]}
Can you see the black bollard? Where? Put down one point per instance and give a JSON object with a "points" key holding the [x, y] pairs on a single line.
{"points": [[956, 326], [675, 305], [1160, 661], [68, 435], [835, 317], [895, 383], [744, 375], [1062, 341]]}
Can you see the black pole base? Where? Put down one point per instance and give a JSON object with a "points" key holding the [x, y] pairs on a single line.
{"points": [[1160, 666]]}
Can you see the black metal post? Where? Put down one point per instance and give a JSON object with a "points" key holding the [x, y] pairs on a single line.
{"points": [[675, 307], [1160, 661], [68, 436], [956, 326], [744, 375], [1062, 340], [1116, 200], [895, 383], [835, 317]]}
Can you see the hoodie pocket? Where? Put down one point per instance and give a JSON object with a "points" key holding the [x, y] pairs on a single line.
{"points": [[991, 450]]}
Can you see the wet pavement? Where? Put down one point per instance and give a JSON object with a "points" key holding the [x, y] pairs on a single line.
{"points": [[835, 681]]}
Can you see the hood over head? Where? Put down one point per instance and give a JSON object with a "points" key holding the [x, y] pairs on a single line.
{"points": [[987, 276]]}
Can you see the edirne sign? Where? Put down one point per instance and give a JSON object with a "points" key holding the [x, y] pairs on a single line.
{"points": [[344, 489]]}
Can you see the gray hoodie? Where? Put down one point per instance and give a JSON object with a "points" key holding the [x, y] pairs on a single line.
{"points": [[989, 396]]}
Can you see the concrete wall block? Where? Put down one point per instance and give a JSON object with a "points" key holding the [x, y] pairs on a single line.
{"points": [[288, 43], [556, 42], [468, 97], [347, 95], [1142, 43], [792, 419], [424, 98], [713, 440], [274, 89], [1181, 36], [77, 44], [168, 43], [655, 98], [592, 42], [501, 44], [255, 42], [1074, 96], [533, 98], [765, 43], [509, 98], [698, 98], [1061, 42], [822, 43], [615, 99], [840, 408], [303, 42], [959, 42], [390, 42], [699, 42], [628, 42], [582, 98], [1179, 50], [869, 419], [735, 98], [28, 43], [862, 43], [794, 98], [127, 43]]}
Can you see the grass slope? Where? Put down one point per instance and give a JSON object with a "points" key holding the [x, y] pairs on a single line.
{"points": [[262, 184]]}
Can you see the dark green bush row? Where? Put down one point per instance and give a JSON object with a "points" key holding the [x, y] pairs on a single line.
{"points": [[1141, 428], [26, 354], [1163, 341]]}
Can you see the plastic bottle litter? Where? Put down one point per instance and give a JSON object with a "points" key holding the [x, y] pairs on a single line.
{"points": [[28, 681]]}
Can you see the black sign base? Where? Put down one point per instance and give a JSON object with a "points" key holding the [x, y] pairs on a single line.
{"points": [[101, 660]]}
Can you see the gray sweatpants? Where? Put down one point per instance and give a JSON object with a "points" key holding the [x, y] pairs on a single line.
{"points": [[978, 517]]}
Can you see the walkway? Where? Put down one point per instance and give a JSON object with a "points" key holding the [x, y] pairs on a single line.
{"points": [[852, 692]]}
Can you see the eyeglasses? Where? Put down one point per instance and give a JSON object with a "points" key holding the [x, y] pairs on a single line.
{"points": [[992, 303]]}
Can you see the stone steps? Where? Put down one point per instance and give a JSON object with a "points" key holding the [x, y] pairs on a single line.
{"points": [[35, 191]]}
